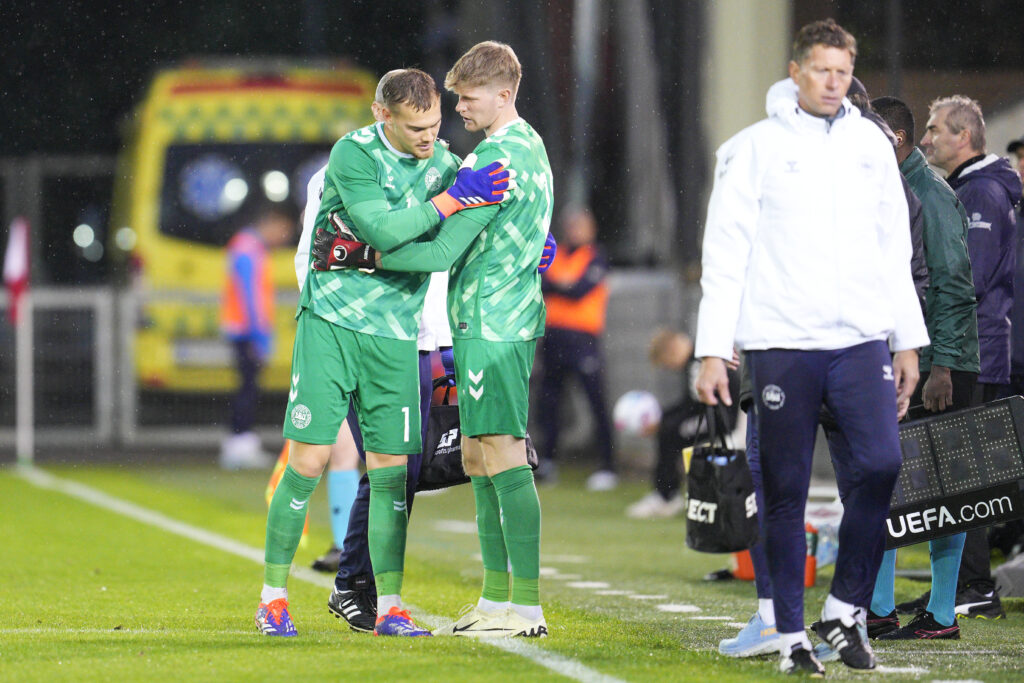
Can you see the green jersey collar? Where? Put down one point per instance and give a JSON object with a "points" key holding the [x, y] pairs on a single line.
{"points": [[387, 143]]}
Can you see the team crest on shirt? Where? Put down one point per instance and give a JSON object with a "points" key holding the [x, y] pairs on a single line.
{"points": [[301, 417], [432, 179], [773, 397]]}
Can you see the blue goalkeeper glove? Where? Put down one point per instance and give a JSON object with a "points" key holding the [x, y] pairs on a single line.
{"points": [[448, 363], [547, 256], [489, 185]]}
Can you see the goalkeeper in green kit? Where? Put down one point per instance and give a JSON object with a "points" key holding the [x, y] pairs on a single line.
{"points": [[496, 313], [356, 334]]}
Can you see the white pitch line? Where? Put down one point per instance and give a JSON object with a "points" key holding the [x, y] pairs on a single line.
{"points": [[455, 526], [913, 670], [736, 624], [588, 585], [711, 619], [614, 591], [638, 596], [677, 608], [564, 666]]}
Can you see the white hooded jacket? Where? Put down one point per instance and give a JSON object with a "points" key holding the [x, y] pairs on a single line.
{"points": [[807, 244]]}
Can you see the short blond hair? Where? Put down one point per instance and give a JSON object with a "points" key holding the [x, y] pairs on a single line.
{"points": [[486, 63]]}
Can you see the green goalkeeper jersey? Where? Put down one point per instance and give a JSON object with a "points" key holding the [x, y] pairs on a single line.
{"points": [[493, 251], [382, 195]]}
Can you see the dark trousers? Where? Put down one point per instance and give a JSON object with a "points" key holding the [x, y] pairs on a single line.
{"points": [[963, 397], [671, 442], [566, 353], [247, 398], [976, 562], [789, 388], [354, 568]]}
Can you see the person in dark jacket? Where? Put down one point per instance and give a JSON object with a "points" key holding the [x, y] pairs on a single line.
{"points": [[575, 291], [989, 189], [949, 370]]}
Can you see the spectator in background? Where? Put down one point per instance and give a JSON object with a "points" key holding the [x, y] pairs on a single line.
{"points": [[1016, 148], [989, 188], [1016, 385], [247, 320], [576, 296], [949, 370], [681, 425]]}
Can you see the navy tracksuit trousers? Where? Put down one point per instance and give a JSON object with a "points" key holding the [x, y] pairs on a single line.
{"points": [[354, 568], [856, 383]]}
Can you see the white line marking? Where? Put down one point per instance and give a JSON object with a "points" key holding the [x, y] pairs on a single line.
{"points": [[711, 619], [677, 608], [736, 624], [915, 670], [587, 584], [565, 577], [640, 596], [455, 526], [563, 666], [567, 559]]}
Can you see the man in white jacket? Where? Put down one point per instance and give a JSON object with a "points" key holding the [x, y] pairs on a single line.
{"points": [[806, 268]]}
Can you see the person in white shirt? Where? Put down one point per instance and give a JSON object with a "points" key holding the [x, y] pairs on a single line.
{"points": [[806, 268]]}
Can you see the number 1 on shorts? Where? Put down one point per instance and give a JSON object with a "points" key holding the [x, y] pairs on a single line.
{"points": [[405, 412]]}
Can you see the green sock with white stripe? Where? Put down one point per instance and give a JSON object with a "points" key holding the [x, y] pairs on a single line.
{"points": [[285, 520], [386, 528]]}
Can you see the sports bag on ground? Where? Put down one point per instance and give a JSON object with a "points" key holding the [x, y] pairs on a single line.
{"points": [[442, 451]]}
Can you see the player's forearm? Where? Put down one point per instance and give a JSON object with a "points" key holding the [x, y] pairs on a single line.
{"points": [[437, 255], [387, 230]]}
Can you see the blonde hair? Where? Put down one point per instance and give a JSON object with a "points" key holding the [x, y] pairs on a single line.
{"points": [[485, 63]]}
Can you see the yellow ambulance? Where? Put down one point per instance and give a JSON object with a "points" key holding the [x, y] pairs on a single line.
{"points": [[207, 142]]}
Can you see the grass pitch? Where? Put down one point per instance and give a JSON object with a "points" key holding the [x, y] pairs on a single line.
{"points": [[90, 594]]}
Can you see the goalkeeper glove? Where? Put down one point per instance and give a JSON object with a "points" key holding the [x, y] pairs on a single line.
{"points": [[338, 252], [547, 256], [488, 185], [448, 363]]}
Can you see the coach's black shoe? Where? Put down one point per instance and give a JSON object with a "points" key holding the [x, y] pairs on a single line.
{"points": [[878, 625], [357, 607], [328, 562], [853, 648], [972, 603], [916, 605], [924, 627], [799, 661]]}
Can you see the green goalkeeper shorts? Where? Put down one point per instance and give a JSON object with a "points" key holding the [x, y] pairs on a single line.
{"points": [[493, 379], [332, 365]]}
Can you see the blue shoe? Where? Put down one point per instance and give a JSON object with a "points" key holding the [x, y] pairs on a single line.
{"points": [[272, 618], [756, 638], [397, 622]]}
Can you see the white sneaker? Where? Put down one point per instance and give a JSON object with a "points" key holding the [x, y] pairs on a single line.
{"points": [[243, 452], [602, 480], [519, 626], [653, 506], [476, 623]]}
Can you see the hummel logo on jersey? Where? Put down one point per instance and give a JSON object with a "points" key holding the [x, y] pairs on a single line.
{"points": [[476, 378], [887, 373], [297, 504], [791, 167], [399, 505], [293, 393]]}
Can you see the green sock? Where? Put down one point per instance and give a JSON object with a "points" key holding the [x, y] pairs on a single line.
{"points": [[285, 519], [520, 521], [387, 527], [492, 540]]}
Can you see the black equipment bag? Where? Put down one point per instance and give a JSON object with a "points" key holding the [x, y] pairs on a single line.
{"points": [[721, 509], [442, 451]]}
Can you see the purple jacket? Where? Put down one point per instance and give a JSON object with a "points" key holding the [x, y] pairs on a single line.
{"points": [[989, 189]]}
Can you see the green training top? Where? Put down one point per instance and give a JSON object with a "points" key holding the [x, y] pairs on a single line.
{"points": [[493, 251], [382, 195]]}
